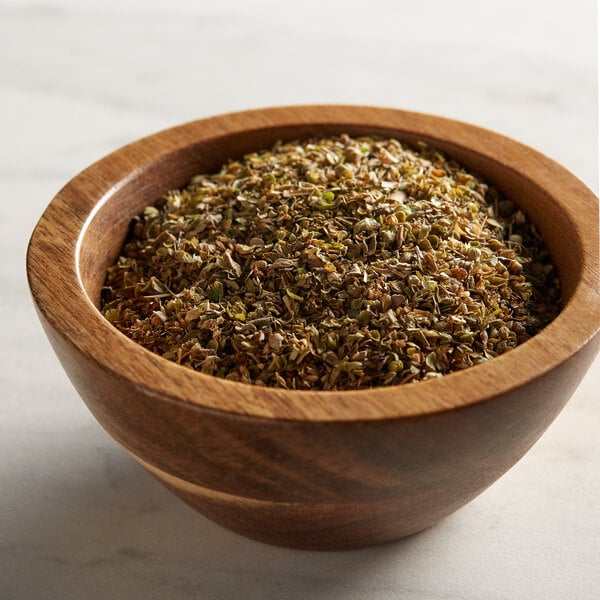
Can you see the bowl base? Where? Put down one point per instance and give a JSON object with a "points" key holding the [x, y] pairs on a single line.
{"points": [[304, 525]]}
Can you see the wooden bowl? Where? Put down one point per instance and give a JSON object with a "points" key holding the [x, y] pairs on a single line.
{"points": [[320, 470]]}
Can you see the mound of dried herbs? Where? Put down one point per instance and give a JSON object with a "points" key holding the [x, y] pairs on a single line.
{"points": [[332, 264]]}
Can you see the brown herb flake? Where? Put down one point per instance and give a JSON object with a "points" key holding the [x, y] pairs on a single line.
{"points": [[332, 264]]}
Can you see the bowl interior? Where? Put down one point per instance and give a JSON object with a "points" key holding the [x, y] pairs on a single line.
{"points": [[102, 238], [84, 227]]}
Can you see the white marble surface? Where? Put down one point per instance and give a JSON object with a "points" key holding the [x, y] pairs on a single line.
{"points": [[78, 519]]}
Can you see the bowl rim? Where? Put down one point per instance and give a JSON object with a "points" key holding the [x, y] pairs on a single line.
{"points": [[63, 303]]}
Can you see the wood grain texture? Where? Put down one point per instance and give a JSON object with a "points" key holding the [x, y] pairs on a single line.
{"points": [[313, 469]]}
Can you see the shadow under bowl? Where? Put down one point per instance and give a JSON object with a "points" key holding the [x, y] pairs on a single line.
{"points": [[313, 469]]}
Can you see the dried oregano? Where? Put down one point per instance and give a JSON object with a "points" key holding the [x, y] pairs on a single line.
{"points": [[332, 264]]}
